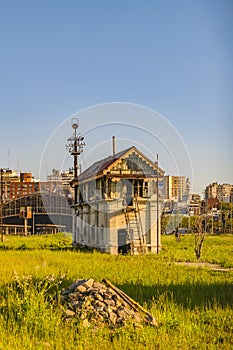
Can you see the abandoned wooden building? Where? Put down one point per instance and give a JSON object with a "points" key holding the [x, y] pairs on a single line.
{"points": [[117, 202]]}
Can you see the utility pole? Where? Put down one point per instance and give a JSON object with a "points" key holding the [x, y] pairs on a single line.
{"points": [[75, 146], [33, 222], [231, 212], [212, 221], [1, 204], [157, 203]]}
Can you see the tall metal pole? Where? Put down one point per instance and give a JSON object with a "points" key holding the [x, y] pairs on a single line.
{"points": [[221, 217], [157, 203], [205, 216], [33, 222], [231, 212], [1, 204], [75, 146], [75, 155], [212, 221]]}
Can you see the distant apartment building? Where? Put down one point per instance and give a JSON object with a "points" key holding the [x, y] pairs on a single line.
{"points": [[223, 192], [61, 181], [28, 185], [25, 185], [7, 176], [26, 177], [22, 188], [64, 176], [211, 203], [211, 191], [13, 186], [176, 188], [194, 206]]}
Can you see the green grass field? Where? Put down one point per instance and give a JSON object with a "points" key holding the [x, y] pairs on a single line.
{"points": [[192, 302]]}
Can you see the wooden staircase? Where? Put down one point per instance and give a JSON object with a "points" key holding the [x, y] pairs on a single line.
{"points": [[134, 227]]}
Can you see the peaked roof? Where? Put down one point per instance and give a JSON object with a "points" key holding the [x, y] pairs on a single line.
{"points": [[97, 168]]}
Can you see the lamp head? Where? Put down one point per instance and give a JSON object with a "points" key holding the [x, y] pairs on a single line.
{"points": [[75, 123]]}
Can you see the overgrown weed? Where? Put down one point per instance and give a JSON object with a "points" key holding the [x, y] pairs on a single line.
{"points": [[193, 305]]}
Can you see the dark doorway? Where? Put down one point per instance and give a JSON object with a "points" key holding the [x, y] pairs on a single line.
{"points": [[123, 245]]}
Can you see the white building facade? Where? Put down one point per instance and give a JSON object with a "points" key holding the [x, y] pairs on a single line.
{"points": [[118, 209]]}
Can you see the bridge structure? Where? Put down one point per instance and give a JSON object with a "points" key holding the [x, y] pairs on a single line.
{"points": [[48, 213]]}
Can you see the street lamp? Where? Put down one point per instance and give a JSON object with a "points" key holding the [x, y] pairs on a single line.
{"points": [[75, 146]]}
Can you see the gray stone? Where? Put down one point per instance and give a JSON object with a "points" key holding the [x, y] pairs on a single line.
{"points": [[99, 285], [99, 297], [88, 283], [92, 290], [109, 302], [72, 296], [113, 317], [81, 288], [69, 313], [99, 303]]}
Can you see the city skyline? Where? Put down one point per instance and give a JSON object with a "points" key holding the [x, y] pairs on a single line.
{"points": [[173, 58]]}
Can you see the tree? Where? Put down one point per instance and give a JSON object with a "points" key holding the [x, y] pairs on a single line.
{"points": [[226, 206], [199, 237], [164, 223], [226, 216]]}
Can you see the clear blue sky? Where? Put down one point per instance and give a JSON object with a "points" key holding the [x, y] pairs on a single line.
{"points": [[175, 57]]}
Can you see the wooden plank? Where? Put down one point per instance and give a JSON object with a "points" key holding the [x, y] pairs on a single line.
{"points": [[134, 305]]}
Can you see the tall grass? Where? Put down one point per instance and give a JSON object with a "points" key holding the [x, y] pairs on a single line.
{"points": [[193, 305]]}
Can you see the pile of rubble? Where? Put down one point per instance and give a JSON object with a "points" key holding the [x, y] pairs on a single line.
{"points": [[92, 302]]}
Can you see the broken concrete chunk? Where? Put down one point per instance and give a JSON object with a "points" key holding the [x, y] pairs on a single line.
{"points": [[99, 297], [113, 318], [88, 283], [81, 288], [98, 285], [109, 302], [69, 313]]}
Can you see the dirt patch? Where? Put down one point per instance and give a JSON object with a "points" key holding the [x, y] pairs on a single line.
{"points": [[214, 267]]}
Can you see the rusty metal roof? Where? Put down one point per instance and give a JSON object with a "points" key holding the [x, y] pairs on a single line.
{"points": [[98, 167]]}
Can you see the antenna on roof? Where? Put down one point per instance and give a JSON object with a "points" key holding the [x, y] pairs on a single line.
{"points": [[114, 146], [8, 159]]}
